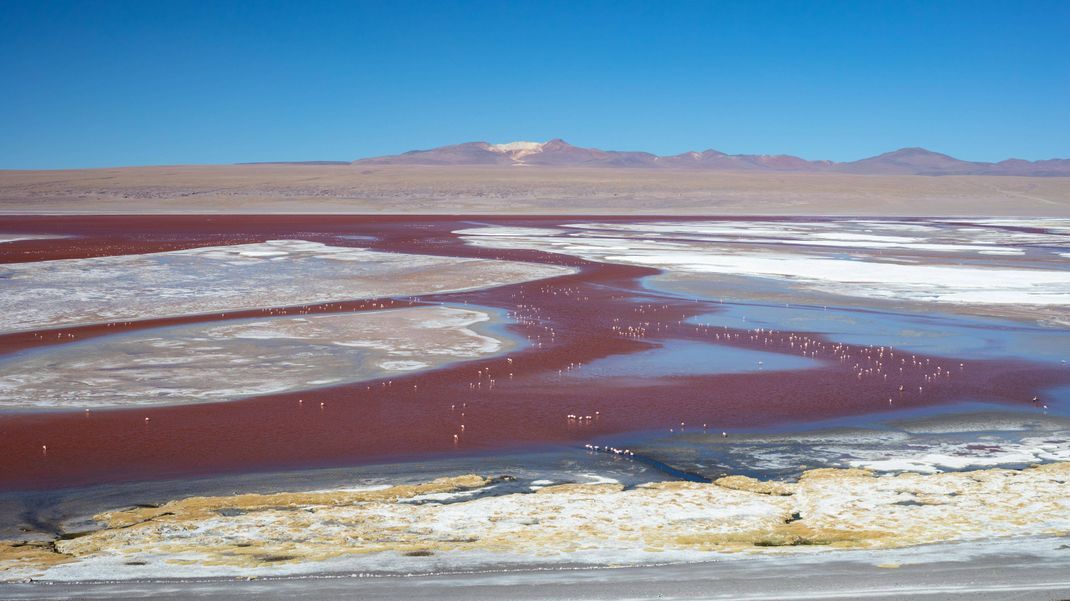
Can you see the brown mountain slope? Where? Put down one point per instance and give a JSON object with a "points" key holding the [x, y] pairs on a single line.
{"points": [[558, 153]]}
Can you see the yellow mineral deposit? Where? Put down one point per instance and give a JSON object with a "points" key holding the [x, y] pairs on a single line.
{"points": [[841, 508]]}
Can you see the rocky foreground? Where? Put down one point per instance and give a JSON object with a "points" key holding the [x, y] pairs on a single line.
{"points": [[453, 518]]}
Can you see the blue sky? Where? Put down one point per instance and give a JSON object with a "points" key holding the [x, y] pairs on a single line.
{"points": [[91, 84]]}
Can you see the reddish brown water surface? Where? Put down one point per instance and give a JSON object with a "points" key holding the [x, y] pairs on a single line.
{"points": [[502, 403]]}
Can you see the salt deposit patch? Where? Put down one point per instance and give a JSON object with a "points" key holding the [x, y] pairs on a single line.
{"points": [[214, 279], [1055, 225], [20, 237], [963, 455], [714, 248], [225, 361], [288, 533], [929, 235], [933, 283], [951, 442]]}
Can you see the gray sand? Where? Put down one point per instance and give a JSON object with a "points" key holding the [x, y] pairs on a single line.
{"points": [[1017, 576]]}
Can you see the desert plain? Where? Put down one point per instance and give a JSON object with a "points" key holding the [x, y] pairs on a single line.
{"points": [[525, 190]]}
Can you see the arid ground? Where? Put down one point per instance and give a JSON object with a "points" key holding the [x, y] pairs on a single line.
{"points": [[294, 188]]}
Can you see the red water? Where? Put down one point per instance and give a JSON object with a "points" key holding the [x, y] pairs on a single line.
{"points": [[571, 320]]}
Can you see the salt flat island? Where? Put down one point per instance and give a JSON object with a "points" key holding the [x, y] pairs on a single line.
{"points": [[380, 396], [244, 358], [207, 279], [986, 265]]}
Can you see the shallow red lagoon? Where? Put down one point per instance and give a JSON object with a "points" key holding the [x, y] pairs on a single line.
{"points": [[571, 320]]}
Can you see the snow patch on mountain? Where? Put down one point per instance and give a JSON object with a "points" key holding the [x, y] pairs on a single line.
{"points": [[517, 150]]}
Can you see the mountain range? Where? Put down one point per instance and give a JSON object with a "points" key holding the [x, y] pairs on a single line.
{"points": [[558, 153]]}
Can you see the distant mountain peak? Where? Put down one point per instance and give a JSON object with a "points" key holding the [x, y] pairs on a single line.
{"points": [[912, 150], [559, 153], [915, 151]]}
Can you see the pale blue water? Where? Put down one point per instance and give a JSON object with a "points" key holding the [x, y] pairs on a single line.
{"points": [[684, 358], [936, 334]]}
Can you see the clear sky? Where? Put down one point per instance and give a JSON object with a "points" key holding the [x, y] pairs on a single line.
{"points": [[153, 82]]}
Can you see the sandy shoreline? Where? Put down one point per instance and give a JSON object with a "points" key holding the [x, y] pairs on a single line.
{"points": [[993, 573]]}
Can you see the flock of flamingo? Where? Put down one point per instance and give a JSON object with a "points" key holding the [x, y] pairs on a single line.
{"points": [[534, 395]]}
